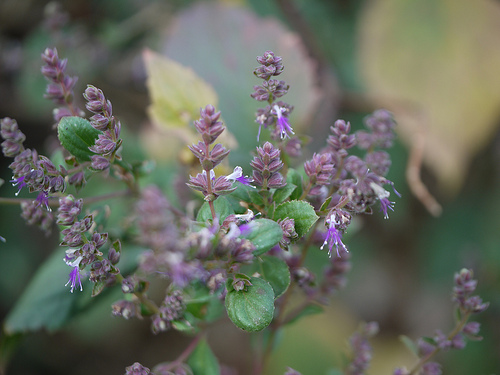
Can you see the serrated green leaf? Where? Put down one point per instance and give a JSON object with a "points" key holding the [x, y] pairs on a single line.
{"points": [[222, 210], [203, 361], [76, 136], [302, 212], [275, 271], [280, 195], [251, 309], [294, 177], [264, 234]]}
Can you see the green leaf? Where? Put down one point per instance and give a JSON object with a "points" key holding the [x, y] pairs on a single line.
{"points": [[251, 309], [264, 234], [241, 193], [185, 326], [275, 271], [47, 303], [77, 135], [294, 177], [98, 288], [410, 344], [222, 210], [176, 92], [256, 198], [204, 304], [325, 204], [202, 360], [280, 195], [302, 212]]}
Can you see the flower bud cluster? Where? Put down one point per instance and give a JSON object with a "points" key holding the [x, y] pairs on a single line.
{"points": [[361, 349], [36, 172], [289, 234], [266, 166], [340, 140], [34, 214], [335, 276], [381, 126], [60, 88], [320, 170], [137, 369], [355, 183], [276, 113], [465, 285], [108, 141], [171, 309], [13, 137], [83, 242], [270, 65], [237, 250], [154, 220], [467, 304], [209, 127]]}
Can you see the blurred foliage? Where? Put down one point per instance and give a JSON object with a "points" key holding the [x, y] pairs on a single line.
{"points": [[434, 63]]}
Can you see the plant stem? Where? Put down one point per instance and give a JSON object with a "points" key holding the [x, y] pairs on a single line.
{"points": [[281, 319], [458, 328], [185, 354]]}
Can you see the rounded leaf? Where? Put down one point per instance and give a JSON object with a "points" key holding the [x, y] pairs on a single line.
{"points": [[264, 234], [300, 211], [251, 309], [77, 135], [275, 271]]}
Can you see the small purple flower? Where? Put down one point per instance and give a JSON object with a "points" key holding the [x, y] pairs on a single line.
{"points": [[284, 127], [383, 195], [19, 181], [333, 236], [43, 199], [237, 175], [74, 278]]}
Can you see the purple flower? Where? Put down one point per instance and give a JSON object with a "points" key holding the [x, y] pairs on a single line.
{"points": [[333, 236], [18, 181], [74, 278], [383, 195], [43, 199], [237, 175], [282, 122]]}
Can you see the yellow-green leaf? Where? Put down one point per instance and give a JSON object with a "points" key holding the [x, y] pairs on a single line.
{"points": [[435, 64], [177, 93]]}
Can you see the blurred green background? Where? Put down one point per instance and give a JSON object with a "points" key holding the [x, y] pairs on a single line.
{"points": [[434, 63]]}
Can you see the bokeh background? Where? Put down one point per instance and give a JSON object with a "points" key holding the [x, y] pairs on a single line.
{"points": [[434, 63]]}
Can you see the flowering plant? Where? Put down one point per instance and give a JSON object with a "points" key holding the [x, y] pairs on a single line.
{"points": [[243, 253]]}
